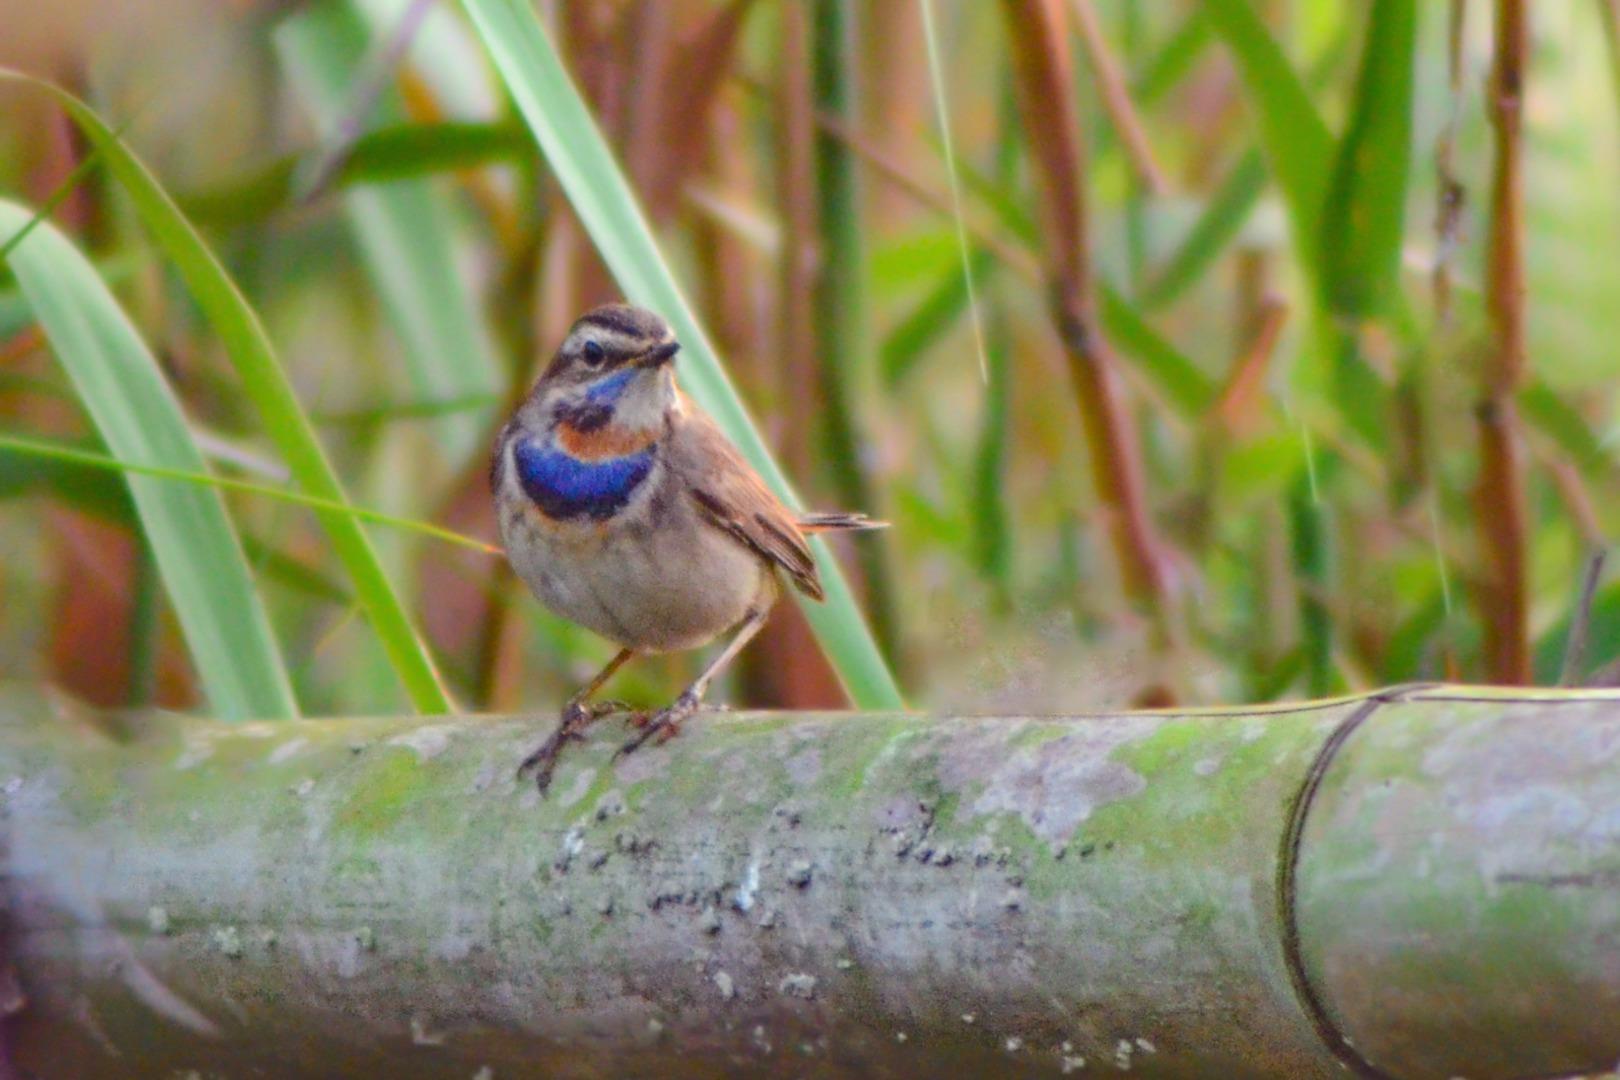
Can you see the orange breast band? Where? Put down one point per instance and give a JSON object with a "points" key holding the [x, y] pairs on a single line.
{"points": [[609, 441]]}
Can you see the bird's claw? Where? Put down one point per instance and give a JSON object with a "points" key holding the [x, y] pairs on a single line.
{"points": [[660, 726], [543, 762], [663, 725], [576, 717]]}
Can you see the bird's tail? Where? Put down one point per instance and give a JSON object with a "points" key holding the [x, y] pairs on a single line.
{"points": [[838, 522]]}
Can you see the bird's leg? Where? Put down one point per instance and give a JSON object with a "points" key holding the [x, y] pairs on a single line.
{"points": [[665, 723], [577, 715]]}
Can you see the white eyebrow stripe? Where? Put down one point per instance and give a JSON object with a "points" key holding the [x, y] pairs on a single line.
{"points": [[604, 336]]}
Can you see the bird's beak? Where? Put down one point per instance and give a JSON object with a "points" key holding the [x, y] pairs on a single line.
{"points": [[659, 356]]}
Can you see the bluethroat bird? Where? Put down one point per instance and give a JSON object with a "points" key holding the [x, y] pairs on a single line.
{"points": [[626, 510]]}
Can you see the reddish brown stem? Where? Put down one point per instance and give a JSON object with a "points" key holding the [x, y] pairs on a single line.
{"points": [[796, 202], [1043, 67], [1505, 285], [1242, 396], [1500, 493]]}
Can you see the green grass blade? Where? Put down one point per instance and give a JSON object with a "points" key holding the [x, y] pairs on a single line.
{"points": [[246, 199], [1561, 422], [267, 385], [929, 321], [1185, 386], [1297, 144], [596, 186], [1366, 201], [401, 151], [1174, 59], [56, 198], [199, 558], [1312, 553], [88, 459], [992, 538], [404, 150], [95, 492], [406, 234], [1222, 218]]}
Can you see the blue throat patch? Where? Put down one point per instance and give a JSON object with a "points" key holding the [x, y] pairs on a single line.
{"points": [[565, 487], [606, 390], [595, 408]]}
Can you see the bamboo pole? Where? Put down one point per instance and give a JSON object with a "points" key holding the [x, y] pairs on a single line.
{"points": [[1414, 884]]}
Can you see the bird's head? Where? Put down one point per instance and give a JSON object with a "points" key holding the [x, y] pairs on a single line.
{"points": [[615, 366]]}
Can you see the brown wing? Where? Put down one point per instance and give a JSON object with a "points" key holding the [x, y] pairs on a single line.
{"points": [[732, 497]]}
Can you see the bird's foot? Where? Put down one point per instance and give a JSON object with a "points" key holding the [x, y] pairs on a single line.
{"points": [[576, 717], [662, 725]]}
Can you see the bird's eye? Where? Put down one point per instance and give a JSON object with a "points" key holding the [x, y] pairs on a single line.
{"points": [[594, 354]]}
